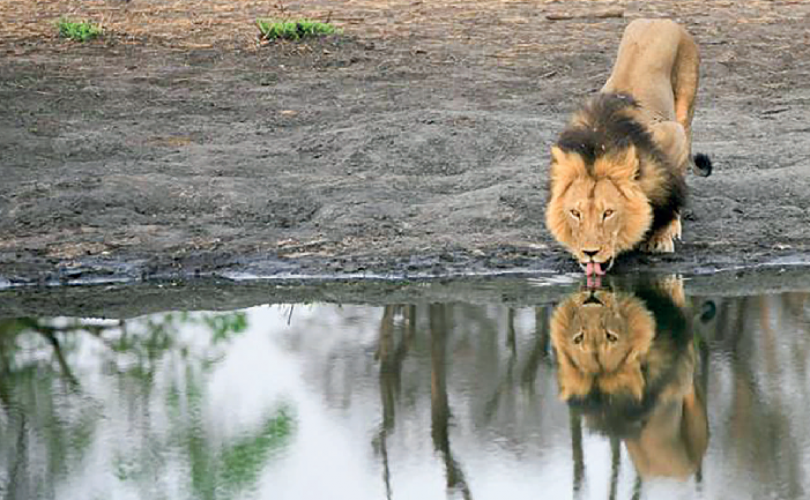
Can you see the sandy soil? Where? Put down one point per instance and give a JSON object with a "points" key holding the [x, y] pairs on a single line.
{"points": [[414, 144]]}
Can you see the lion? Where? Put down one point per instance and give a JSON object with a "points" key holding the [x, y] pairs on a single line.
{"points": [[617, 173], [627, 362]]}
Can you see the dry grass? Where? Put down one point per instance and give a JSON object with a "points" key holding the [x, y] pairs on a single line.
{"points": [[508, 26]]}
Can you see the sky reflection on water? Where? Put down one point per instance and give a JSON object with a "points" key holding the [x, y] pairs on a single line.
{"points": [[403, 401]]}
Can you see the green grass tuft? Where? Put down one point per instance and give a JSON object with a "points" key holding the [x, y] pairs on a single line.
{"points": [[80, 31], [272, 29]]}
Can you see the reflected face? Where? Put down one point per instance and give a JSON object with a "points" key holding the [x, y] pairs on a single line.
{"points": [[600, 339]]}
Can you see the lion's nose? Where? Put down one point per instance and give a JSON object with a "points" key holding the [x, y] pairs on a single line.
{"points": [[590, 253]]}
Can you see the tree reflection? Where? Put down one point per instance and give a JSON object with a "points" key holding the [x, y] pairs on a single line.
{"points": [[765, 341], [47, 413], [391, 352], [478, 384], [440, 408], [393, 347], [466, 394], [31, 400]]}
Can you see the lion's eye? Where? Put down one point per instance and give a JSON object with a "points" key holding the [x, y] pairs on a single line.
{"points": [[575, 213], [612, 337], [578, 338], [607, 213]]}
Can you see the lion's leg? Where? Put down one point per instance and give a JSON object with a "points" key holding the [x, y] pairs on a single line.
{"points": [[685, 82], [673, 286], [663, 240], [671, 138]]}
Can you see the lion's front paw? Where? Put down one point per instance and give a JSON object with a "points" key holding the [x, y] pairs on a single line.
{"points": [[663, 241], [658, 245]]}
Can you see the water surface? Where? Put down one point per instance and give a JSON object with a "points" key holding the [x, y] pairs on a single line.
{"points": [[695, 397]]}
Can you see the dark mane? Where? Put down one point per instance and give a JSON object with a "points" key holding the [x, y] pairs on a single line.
{"points": [[606, 124]]}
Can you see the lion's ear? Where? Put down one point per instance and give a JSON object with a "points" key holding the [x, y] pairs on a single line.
{"points": [[572, 382], [623, 165], [565, 166], [558, 155], [640, 328]]}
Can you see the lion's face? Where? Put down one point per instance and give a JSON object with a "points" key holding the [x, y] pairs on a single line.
{"points": [[597, 211], [600, 339]]}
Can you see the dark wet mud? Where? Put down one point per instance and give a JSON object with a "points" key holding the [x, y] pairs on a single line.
{"points": [[128, 300]]}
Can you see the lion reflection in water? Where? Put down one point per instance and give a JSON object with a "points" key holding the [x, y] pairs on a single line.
{"points": [[627, 362]]}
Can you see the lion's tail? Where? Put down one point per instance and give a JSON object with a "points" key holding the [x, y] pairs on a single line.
{"points": [[702, 165]]}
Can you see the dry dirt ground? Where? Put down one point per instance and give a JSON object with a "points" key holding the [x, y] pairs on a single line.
{"points": [[413, 144]]}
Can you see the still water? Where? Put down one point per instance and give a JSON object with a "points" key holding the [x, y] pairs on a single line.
{"points": [[636, 391]]}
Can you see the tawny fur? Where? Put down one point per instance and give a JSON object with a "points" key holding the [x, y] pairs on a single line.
{"points": [[594, 363], [611, 193], [639, 364]]}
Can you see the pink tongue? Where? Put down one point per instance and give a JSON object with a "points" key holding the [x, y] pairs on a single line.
{"points": [[592, 268]]}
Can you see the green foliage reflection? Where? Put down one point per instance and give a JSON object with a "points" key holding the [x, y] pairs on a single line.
{"points": [[154, 365]]}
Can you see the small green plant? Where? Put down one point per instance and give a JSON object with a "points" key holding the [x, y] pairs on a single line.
{"points": [[272, 29], [79, 31]]}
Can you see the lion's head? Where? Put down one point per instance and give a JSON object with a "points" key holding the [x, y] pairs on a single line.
{"points": [[601, 339], [597, 210]]}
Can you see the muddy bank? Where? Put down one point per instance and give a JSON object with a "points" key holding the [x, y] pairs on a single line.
{"points": [[410, 152], [129, 300]]}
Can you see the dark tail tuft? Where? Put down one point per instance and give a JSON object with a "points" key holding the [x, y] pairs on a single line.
{"points": [[703, 165]]}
